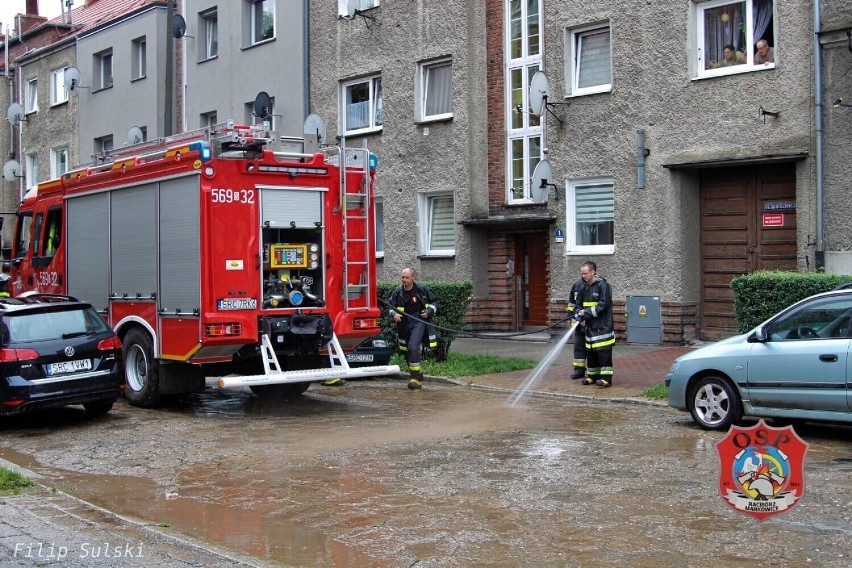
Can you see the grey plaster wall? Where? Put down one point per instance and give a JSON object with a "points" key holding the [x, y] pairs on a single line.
{"points": [[227, 82], [140, 102], [685, 119], [438, 156]]}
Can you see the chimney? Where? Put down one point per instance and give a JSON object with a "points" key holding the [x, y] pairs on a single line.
{"points": [[32, 7]]}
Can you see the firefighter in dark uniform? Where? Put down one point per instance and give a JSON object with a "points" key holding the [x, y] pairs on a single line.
{"points": [[579, 334], [412, 308], [596, 309], [6, 280]]}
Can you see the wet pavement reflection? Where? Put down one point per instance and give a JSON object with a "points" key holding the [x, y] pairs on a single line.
{"points": [[372, 474]]}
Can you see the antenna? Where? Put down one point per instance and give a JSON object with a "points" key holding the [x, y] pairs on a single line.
{"points": [[314, 133], [11, 170], [539, 94], [179, 27], [72, 79], [353, 8], [15, 113], [541, 182], [263, 106], [135, 136]]}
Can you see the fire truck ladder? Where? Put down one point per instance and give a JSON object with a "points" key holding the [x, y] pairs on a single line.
{"points": [[356, 208]]}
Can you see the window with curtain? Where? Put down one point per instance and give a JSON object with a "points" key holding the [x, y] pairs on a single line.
{"points": [[209, 26], [140, 58], [58, 162], [262, 19], [734, 36], [591, 216], [590, 60], [103, 70], [437, 224], [32, 96], [31, 171], [361, 102], [435, 87], [58, 92]]}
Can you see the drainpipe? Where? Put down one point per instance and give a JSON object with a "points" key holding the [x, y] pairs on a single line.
{"points": [[819, 254], [306, 58]]}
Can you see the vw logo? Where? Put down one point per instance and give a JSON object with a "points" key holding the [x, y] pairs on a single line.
{"points": [[69, 351]]}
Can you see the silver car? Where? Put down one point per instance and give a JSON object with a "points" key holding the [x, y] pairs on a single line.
{"points": [[795, 365]]}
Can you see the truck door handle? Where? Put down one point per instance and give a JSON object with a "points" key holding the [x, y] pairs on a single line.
{"points": [[828, 358]]}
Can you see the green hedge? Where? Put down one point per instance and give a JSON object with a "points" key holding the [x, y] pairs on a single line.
{"points": [[453, 303], [760, 295]]}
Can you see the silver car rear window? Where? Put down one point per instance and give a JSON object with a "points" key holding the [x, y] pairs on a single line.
{"points": [[54, 325]]}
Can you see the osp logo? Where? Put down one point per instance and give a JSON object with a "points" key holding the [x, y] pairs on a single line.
{"points": [[761, 469]]}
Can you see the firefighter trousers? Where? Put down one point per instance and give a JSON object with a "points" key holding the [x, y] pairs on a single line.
{"points": [[416, 333], [600, 363]]}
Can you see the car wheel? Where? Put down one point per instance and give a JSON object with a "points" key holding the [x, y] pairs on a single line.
{"points": [[98, 407], [141, 370], [715, 404]]}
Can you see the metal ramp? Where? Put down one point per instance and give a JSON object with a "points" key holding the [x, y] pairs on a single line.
{"points": [[273, 374]]}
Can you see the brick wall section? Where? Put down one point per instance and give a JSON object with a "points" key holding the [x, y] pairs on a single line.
{"points": [[496, 312], [495, 94]]}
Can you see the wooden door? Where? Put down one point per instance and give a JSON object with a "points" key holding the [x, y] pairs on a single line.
{"points": [[748, 223], [531, 278]]}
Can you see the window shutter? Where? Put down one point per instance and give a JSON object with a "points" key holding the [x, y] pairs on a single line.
{"points": [[594, 204], [443, 234], [439, 89], [593, 59]]}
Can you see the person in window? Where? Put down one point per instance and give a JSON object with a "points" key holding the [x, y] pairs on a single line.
{"points": [[732, 56], [596, 302], [764, 53], [412, 308]]}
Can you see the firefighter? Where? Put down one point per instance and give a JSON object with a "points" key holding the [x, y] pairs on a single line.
{"points": [[5, 280], [412, 308], [596, 310], [579, 334], [52, 238]]}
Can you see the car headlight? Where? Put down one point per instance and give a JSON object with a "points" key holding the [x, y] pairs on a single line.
{"points": [[673, 368], [380, 343]]}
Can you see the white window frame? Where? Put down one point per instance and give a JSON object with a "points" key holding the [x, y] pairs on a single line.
{"points": [[103, 62], [59, 162], [362, 5], [58, 90], [374, 104], [571, 246], [31, 171], [139, 65], [209, 25], [425, 80], [523, 127], [31, 100], [426, 211], [104, 144], [255, 10], [574, 41], [697, 55], [380, 227]]}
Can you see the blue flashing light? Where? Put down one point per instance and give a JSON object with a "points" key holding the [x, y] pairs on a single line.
{"points": [[203, 149], [374, 162]]}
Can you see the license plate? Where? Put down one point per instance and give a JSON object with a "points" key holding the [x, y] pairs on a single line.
{"points": [[237, 304], [69, 367], [359, 357]]}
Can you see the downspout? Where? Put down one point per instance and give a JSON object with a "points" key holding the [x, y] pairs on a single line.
{"points": [[306, 59], [819, 254]]}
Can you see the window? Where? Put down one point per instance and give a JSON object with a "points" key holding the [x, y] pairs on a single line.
{"points": [[828, 318], [103, 70], [58, 92], [209, 26], [590, 61], [437, 230], [590, 216], [31, 173], [31, 97], [58, 162], [103, 144], [252, 118], [262, 20], [380, 228], [362, 105], [139, 62], [207, 119], [524, 139], [435, 90], [24, 235], [733, 37], [361, 6], [53, 232]]}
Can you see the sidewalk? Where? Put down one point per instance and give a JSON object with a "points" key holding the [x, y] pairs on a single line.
{"points": [[637, 367]]}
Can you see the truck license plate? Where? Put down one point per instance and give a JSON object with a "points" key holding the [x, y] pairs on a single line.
{"points": [[69, 367], [237, 304], [359, 357]]}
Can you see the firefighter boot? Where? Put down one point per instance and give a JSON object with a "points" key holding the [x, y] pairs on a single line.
{"points": [[579, 373], [416, 380]]}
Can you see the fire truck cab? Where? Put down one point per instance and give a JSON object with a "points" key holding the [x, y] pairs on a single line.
{"points": [[213, 253]]}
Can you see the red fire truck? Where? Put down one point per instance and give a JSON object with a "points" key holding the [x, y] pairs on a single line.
{"points": [[214, 253]]}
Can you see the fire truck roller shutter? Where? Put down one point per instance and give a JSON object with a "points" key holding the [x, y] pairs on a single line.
{"points": [[87, 248], [133, 231], [180, 278], [298, 208]]}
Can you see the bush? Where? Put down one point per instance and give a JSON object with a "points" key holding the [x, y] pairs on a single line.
{"points": [[760, 295], [453, 303]]}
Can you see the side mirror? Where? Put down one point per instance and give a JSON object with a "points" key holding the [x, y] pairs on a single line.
{"points": [[758, 335]]}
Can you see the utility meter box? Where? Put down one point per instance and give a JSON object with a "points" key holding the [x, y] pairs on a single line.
{"points": [[644, 320]]}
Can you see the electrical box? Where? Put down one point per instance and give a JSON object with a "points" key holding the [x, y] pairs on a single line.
{"points": [[644, 320]]}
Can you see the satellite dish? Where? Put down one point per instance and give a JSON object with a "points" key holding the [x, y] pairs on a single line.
{"points": [[541, 181], [539, 93], [262, 105], [178, 26], [314, 130], [352, 7], [15, 113], [135, 136], [72, 78], [11, 170]]}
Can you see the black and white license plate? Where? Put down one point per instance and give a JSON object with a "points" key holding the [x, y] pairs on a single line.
{"points": [[359, 357], [69, 366], [236, 304]]}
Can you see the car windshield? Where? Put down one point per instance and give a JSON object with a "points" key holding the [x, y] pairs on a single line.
{"points": [[54, 325]]}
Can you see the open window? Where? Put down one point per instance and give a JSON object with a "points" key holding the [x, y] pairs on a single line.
{"points": [[733, 36]]}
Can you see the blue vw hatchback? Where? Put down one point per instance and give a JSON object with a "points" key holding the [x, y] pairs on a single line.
{"points": [[796, 365]]}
